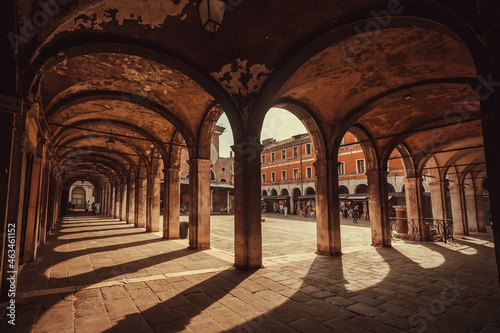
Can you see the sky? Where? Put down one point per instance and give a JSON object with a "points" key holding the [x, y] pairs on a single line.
{"points": [[279, 124]]}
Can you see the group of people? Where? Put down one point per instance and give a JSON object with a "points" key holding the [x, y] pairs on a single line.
{"points": [[281, 209], [306, 209], [351, 211], [94, 207]]}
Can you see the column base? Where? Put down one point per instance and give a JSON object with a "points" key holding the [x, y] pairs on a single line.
{"points": [[199, 248], [165, 237], [247, 268], [382, 245], [328, 254]]}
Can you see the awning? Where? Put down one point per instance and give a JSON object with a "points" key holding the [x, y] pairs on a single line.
{"points": [[308, 196], [276, 197], [358, 197], [343, 196]]}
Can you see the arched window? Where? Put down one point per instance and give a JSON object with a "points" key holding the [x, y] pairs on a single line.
{"points": [[361, 189], [223, 180], [310, 191], [264, 193], [343, 189], [212, 175]]}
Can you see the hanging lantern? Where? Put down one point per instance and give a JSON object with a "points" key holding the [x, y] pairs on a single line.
{"points": [[211, 14], [110, 143]]}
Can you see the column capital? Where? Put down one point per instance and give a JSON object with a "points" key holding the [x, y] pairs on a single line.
{"points": [[325, 163], [247, 147], [171, 169], [412, 181]]}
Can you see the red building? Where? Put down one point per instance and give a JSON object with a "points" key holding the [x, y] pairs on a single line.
{"points": [[288, 176]]}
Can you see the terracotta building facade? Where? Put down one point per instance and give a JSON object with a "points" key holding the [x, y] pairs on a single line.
{"points": [[288, 175]]}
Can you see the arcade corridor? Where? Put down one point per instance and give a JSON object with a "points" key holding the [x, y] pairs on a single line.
{"points": [[108, 94]]}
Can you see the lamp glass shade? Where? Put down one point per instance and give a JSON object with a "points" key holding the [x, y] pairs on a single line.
{"points": [[211, 14], [110, 143]]}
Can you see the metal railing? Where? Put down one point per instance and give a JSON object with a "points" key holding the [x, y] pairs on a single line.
{"points": [[422, 230]]}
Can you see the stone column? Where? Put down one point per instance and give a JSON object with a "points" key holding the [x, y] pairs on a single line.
{"points": [[103, 199], [130, 202], [247, 217], [481, 220], [211, 201], [327, 208], [438, 199], [414, 200], [489, 96], [414, 209], [44, 202], [140, 202], [459, 217], [112, 203], [13, 184], [199, 204], [171, 203], [31, 224], [401, 220], [228, 199], [153, 204], [470, 207], [378, 203], [118, 201], [108, 201], [123, 203]]}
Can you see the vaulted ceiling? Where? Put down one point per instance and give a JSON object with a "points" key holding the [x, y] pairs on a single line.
{"points": [[146, 74]]}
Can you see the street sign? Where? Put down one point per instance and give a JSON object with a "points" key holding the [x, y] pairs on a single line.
{"points": [[11, 104]]}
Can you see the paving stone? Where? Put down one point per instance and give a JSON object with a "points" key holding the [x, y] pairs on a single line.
{"points": [[157, 313], [366, 300], [143, 296], [394, 320], [171, 326], [340, 301], [364, 310], [132, 323], [94, 323], [306, 326], [158, 285], [118, 309], [224, 316], [54, 319], [341, 325], [114, 293], [373, 325], [89, 306], [85, 293]]}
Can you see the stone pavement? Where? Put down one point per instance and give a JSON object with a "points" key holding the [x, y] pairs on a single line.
{"points": [[98, 274]]}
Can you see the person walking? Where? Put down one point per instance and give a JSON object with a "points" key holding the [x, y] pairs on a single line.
{"points": [[96, 208], [87, 207], [285, 211], [355, 213]]}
